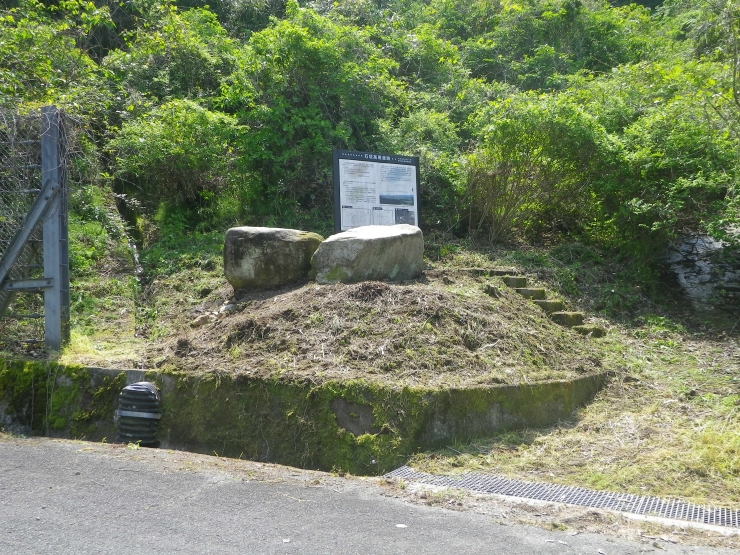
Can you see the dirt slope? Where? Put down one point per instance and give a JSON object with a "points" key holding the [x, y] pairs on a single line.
{"points": [[440, 330]]}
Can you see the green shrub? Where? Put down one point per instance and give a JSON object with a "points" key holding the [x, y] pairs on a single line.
{"points": [[240, 17], [183, 55], [307, 85], [40, 49], [534, 166], [180, 153], [535, 44], [433, 137], [674, 158]]}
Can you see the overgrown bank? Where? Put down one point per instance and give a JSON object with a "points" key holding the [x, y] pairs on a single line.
{"points": [[665, 426], [444, 330]]}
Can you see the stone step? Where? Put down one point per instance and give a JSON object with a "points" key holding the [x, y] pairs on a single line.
{"points": [[488, 272], [503, 272], [567, 319], [476, 272], [532, 293], [549, 305], [515, 281], [492, 290], [483, 272], [590, 329]]}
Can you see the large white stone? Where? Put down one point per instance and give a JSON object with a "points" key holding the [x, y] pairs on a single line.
{"points": [[374, 252], [264, 257]]}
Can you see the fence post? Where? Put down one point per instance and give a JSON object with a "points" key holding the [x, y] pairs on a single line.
{"points": [[55, 233]]}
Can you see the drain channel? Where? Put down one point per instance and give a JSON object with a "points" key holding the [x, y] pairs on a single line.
{"points": [[623, 502]]}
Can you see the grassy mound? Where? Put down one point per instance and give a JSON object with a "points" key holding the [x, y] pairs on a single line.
{"points": [[440, 330]]}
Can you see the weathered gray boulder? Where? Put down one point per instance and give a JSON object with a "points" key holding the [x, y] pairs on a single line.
{"points": [[374, 252], [264, 257]]}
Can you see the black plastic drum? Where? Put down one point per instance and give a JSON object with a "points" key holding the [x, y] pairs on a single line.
{"points": [[138, 414]]}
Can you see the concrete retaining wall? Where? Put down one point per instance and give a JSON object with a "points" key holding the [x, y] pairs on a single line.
{"points": [[364, 428]]}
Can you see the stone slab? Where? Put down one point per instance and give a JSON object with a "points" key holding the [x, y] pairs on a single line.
{"points": [[567, 319], [515, 281], [533, 293], [549, 305]]}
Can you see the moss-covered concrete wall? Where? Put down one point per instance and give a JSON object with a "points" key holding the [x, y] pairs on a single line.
{"points": [[355, 426], [46, 398]]}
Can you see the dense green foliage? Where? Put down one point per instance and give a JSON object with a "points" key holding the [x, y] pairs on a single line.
{"points": [[615, 124]]}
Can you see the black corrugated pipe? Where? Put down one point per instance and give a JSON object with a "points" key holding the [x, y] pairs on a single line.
{"points": [[138, 414]]}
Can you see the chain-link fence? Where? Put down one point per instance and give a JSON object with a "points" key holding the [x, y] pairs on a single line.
{"points": [[22, 311]]}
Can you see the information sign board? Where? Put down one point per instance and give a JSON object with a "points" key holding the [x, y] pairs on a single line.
{"points": [[374, 189]]}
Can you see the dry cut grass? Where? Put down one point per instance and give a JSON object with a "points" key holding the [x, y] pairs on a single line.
{"points": [[667, 425], [440, 330]]}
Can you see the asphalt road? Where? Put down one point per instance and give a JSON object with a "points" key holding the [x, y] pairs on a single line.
{"points": [[77, 498]]}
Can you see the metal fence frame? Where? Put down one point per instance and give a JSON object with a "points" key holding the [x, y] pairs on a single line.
{"points": [[33, 166]]}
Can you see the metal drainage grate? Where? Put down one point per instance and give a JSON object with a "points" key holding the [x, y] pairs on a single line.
{"points": [[624, 502]]}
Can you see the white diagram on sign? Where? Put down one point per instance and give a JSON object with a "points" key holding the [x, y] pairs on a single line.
{"points": [[376, 193]]}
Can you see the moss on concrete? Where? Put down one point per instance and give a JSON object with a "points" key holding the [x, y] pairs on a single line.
{"points": [[285, 421], [290, 423], [47, 398], [293, 423], [567, 319]]}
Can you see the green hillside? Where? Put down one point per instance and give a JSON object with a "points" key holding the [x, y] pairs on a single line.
{"points": [[570, 140], [616, 125]]}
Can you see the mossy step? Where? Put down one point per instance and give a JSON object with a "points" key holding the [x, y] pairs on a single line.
{"points": [[533, 293], [503, 272], [549, 305], [492, 290], [489, 272], [515, 281], [567, 319], [590, 329]]}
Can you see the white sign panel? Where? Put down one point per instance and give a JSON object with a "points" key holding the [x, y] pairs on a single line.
{"points": [[374, 189]]}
